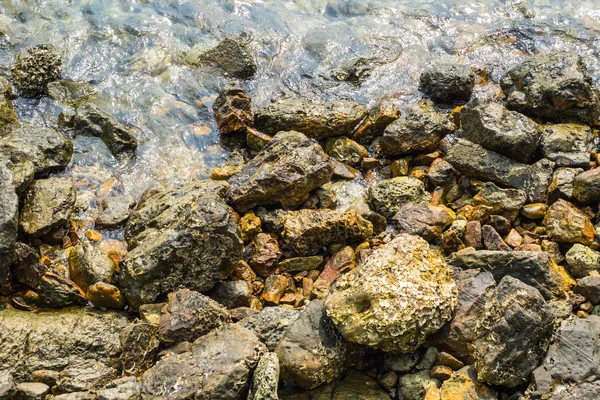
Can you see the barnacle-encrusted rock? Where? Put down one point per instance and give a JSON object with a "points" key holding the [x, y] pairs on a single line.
{"points": [[400, 294], [388, 196], [34, 68]]}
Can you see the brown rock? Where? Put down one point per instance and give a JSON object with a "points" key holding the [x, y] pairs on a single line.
{"points": [[473, 236], [249, 226], [233, 109], [534, 210], [379, 118], [342, 261], [389, 380], [567, 224], [449, 360], [266, 254], [451, 241], [300, 264], [514, 238], [275, 286], [423, 219], [256, 140], [242, 272], [346, 150], [441, 372], [140, 346], [492, 239], [103, 294]]}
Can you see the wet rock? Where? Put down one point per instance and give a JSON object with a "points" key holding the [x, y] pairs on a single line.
{"points": [[35, 67], [180, 237], [34, 150], [9, 217], [115, 211], [448, 83], [423, 219], [218, 367], [285, 171], [92, 121], [555, 86], [232, 56], [300, 264], [85, 376], [120, 389], [342, 261], [8, 116], [401, 293], [586, 186], [270, 324], [266, 254], [420, 128], [473, 160], [102, 294], [504, 202], [275, 286], [566, 144], [315, 118], [440, 173], [388, 196], [565, 223], [189, 315], [345, 150], [517, 317], [140, 344], [27, 268], [496, 128], [7, 386], [56, 291], [311, 351], [378, 119], [31, 391], [536, 269], [413, 386], [57, 339], [233, 109], [581, 260], [589, 287], [266, 379], [307, 231], [89, 264], [232, 294], [464, 385], [561, 186], [70, 93]]}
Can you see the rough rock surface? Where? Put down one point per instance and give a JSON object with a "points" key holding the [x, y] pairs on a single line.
{"points": [[120, 389], [57, 291], [448, 83], [84, 376], [565, 223], [9, 212], [314, 118], [589, 287], [140, 346], [270, 324], [233, 109], [8, 116], [581, 260], [7, 385], [115, 211], [346, 150], [285, 171], [34, 68], [401, 293], [378, 119], [423, 219], [179, 237], [567, 144], [464, 385], [586, 186], [232, 56], [265, 379], [561, 186], [90, 264], [388, 196], [218, 367], [504, 202]]}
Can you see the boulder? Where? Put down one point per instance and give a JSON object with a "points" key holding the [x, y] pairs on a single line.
{"points": [[568, 145], [232, 56], [586, 186], [232, 294], [581, 260], [555, 85], [343, 260], [440, 173], [565, 223], [9, 217], [315, 118], [447, 83], [270, 324], [395, 298], [388, 196], [423, 219], [494, 127], [307, 231], [561, 186], [35, 67], [284, 172], [233, 109], [140, 345], [266, 379], [84, 376], [180, 237], [265, 254], [218, 367]]}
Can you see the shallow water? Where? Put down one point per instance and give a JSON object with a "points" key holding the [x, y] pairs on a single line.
{"points": [[133, 54]]}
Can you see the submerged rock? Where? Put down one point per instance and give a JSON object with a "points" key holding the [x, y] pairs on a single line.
{"points": [[448, 83], [8, 116], [233, 109], [315, 118], [285, 171], [388, 196], [232, 56], [393, 300], [34, 68], [180, 237], [9, 217], [115, 211]]}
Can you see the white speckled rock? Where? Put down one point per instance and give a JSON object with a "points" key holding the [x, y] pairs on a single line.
{"points": [[400, 294]]}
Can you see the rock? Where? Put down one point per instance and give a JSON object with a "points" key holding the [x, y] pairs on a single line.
{"points": [[561, 186], [441, 372], [92, 121], [565, 223], [420, 128], [48, 204], [388, 196], [311, 351], [440, 173], [56, 291], [359, 386], [586, 186], [102, 294], [412, 386], [423, 219], [346, 150], [342, 261], [74, 396], [35, 67], [496, 128], [285, 171], [31, 391], [57, 339], [9, 218], [534, 210], [514, 334], [7, 386], [232, 294], [300, 264], [115, 211], [379, 118], [70, 93], [275, 286], [315, 118], [34, 150], [140, 345], [27, 268], [447, 83], [492, 239], [589, 287], [196, 251], [581, 260], [8, 116], [307, 231], [232, 56], [189, 315], [555, 86], [218, 367], [85, 376], [270, 324], [89, 264], [265, 379], [401, 293], [536, 269], [256, 140], [567, 144], [504, 202], [463, 385], [266, 254], [120, 389], [233, 109], [449, 360]]}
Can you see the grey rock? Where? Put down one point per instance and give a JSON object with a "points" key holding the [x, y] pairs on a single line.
{"points": [[115, 211], [196, 251], [429, 358], [412, 386], [7, 385], [586, 186], [581, 260], [266, 379], [448, 83], [232, 56], [401, 362], [589, 287], [232, 294], [9, 217], [34, 68], [504, 202], [89, 264], [85, 376], [566, 144], [270, 324], [31, 391], [388, 196], [139, 343], [120, 389]]}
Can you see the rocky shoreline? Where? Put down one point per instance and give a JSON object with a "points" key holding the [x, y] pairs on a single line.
{"points": [[447, 249]]}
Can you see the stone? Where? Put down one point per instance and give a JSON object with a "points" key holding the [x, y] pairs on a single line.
{"points": [[447, 83], [106, 295], [288, 168], [441, 372], [492, 239], [412, 386], [232, 56], [357, 385], [218, 367], [553, 85], [48, 204], [566, 141], [242, 271], [311, 351], [346, 150], [380, 116], [179, 237], [581, 260], [423, 219], [89, 264], [85, 376], [9, 218], [7, 386], [70, 93], [115, 211], [420, 128], [57, 339], [504, 202], [92, 121], [56, 291], [565, 223], [232, 294], [473, 235], [342, 261], [307, 231], [475, 161], [534, 210], [256, 140], [275, 286], [428, 359], [189, 315], [34, 67], [449, 360], [27, 267], [265, 379], [395, 298], [314, 118], [250, 226], [140, 345], [514, 238], [401, 363], [586, 186], [31, 391], [126, 388], [270, 324], [514, 334], [589, 287], [388, 380], [297, 264], [494, 127], [388, 196], [464, 385], [266, 254], [233, 109], [440, 173], [151, 313], [8, 116], [561, 185]]}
